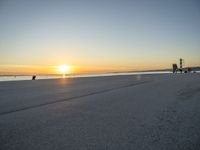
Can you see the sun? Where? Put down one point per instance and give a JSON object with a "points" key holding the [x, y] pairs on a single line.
{"points": [[64, 69]]}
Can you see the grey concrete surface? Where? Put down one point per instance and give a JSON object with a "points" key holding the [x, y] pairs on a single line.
{"points": [[112, 113]]}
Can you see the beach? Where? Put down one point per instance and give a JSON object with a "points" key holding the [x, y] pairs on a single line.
{"points": [[160, 111]]}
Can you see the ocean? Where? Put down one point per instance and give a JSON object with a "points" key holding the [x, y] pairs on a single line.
{"points": [[39, 77]]}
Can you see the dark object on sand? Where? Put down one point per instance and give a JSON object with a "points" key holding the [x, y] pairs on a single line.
{"points": [[33, 77], [185, 71], [175, 67]]}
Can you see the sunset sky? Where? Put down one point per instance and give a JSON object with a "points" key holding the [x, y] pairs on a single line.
{"points": [[93, 36]]}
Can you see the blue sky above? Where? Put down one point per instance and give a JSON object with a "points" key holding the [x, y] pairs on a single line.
{"points": [[117, 33]]}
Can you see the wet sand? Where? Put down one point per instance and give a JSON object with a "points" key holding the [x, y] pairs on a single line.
{"points": [[119, 112]]}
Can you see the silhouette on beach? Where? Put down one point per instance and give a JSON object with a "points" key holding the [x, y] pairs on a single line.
{"points": [[33, 77]]}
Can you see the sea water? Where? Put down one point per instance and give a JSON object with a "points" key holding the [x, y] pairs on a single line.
{"points": [[39, 77]]}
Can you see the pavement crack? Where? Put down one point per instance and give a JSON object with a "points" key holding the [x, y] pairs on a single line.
{"points": [[71, 98]]}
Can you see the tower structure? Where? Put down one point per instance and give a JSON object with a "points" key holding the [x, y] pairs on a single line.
{"points": [[181, 63]]}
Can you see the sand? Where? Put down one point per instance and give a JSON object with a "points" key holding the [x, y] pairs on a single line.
{"points": [[119, 112]]}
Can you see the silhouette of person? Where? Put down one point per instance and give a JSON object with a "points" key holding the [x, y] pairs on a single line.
{"points": [[33, 77]]}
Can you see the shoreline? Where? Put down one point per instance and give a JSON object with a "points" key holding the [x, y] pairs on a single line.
{"points": [[44, 77]]}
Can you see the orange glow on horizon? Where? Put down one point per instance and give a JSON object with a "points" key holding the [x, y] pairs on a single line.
{"points": [[77, 69], [64, 69]]}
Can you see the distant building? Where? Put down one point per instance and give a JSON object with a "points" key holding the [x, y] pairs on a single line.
{"points": [[175, 68]]}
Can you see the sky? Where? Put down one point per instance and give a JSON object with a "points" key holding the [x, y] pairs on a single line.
{"points": [[97, 35]]}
